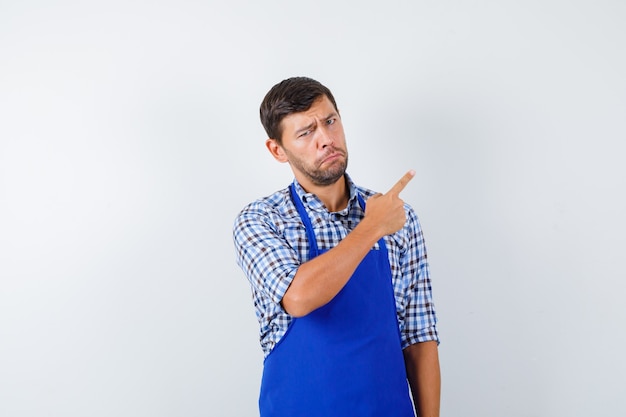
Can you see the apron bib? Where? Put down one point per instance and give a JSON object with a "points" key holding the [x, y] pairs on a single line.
{"points": [[345, 358]]}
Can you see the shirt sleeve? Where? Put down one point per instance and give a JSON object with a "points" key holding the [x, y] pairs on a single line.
{"points": [[420, 320], [263, 254]]}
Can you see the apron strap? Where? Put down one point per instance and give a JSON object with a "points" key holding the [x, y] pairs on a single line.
{"points": [[313, 251]]}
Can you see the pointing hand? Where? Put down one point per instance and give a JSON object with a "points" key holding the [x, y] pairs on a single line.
{"points": [[387, 210]]}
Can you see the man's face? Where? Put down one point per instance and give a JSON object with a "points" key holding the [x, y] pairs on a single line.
{"points": [[314, 143]]}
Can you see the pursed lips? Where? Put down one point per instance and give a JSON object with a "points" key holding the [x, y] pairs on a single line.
{"points": [[332, 155]]}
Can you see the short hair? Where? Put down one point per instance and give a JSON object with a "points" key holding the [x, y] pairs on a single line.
{"points": [[293, 95]]}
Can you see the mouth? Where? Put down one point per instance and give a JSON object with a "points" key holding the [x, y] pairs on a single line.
{"points": [[331, 157]]}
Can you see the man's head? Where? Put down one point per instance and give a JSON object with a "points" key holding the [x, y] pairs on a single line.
{"points": [[305, 130], [293, 95]]}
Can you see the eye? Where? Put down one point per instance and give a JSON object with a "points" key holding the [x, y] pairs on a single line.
{"points": [[305, 133], [330, 121]]}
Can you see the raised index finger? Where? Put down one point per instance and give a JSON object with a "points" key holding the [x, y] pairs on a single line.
{"points": [[399, 186]]}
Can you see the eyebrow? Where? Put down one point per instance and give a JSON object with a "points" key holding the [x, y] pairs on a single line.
{"points": [[302, 129], [310, 125]]}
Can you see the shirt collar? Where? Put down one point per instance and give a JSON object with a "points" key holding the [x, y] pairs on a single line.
{"points": [[314, 203]]}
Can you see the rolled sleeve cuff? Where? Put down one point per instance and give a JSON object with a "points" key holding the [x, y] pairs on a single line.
{"points": [[428, 334]]}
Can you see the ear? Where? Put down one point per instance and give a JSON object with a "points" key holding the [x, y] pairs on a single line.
{"points": [[276, 150]]}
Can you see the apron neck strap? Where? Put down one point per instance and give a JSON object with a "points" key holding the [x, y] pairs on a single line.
{"points": [[313, 251]]}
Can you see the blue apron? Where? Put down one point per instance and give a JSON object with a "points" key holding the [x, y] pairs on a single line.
{"points": [[345, 358]]}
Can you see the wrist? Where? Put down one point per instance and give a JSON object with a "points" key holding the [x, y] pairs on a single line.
{"points": [[369, 230]]}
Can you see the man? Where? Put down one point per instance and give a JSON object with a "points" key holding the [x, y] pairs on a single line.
{"points": [[339, 276]]}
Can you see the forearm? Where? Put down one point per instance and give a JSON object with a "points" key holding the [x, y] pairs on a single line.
{"points": [[422, 368], [320, 279]]}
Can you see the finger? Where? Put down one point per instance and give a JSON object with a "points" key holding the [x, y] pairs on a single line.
{"points": [[399, 186]]}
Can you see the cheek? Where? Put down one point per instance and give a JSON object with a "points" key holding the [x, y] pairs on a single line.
{"points": [[338, 132], [306, 146]]}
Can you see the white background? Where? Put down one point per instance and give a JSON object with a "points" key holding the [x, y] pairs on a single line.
{"points": [[130, 139]]}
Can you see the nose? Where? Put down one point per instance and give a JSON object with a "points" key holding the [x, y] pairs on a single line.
{"points": [[325, 138]]}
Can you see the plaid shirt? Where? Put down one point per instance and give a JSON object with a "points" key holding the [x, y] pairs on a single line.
{"points": [[271, 243]]}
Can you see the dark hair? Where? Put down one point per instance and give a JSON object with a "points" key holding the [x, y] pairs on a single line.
{"points": [[292, 95]]}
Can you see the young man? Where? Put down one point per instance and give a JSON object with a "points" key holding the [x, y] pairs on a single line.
{"points": [[339, 276]]}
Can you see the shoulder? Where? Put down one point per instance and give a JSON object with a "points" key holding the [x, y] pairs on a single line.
{"points": [[270, 211], [365, 192], [272, 202]]}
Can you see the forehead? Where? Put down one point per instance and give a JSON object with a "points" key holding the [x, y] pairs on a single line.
{"points": [[320, 109]]}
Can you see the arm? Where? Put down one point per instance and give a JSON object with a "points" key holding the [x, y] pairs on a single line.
{"points": [[419, 323], [317, 281], [422, 369]]}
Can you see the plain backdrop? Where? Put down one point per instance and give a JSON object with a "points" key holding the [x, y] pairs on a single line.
{"points": [[130, 140]]}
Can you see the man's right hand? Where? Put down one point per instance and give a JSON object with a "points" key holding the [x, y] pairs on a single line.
{"points": [[387, 210]]}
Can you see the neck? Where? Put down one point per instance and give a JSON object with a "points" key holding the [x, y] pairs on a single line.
{"points": [[334, 196]]}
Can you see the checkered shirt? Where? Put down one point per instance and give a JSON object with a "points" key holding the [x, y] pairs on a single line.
{"points": [[271, 243]]}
